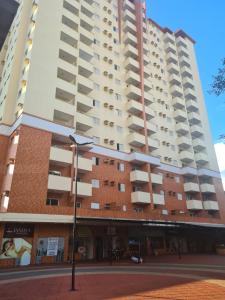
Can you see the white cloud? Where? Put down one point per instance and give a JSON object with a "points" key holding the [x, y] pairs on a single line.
{"points": [[220, 153]]}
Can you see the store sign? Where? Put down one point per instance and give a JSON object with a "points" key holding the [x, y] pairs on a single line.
{"points": [[53, 245], [13, 230]]}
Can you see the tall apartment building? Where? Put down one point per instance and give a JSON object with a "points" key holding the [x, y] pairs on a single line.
{"points": [[105, 71]]}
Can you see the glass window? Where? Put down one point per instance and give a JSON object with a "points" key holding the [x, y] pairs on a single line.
{"points": [[95, 183]]}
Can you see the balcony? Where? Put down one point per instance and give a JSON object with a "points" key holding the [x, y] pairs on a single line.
{"points": [[148, 98], [191, 187], [189, 94], [130, 39], [176, 91], [84, 103], [64, 107], [192, 106], [130, 27], [85, 86], [63, 118], [158, 199], [139, 176], [170, 47], [201, 158], [194, 118], [59, 183], [151, 127], [171, 58], [184, 61], [198, 144], [61, 156], [153, 144], [207, 188], [140, 198], [182, 128], [86, 37], [149, 113], [188, 83], [178, 103], [130, 6], [181, 42], [63, 184], [134, 107], [184, 142], [85, 68], [168, 37], [147, 85], [180, 115], [131, 51], [84, 165], [196, 131], [131, 64], [175, 79], [136, 139], [156, 178], [186, 72], [132, 78], [173, 68], [183, 51], [186, 157], [83, 122], [133, 92], [129, 16], [135, 123], [210, 205], [194, 204]]}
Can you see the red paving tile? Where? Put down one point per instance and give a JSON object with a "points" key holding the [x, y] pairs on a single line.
{"points": [[113, 287]]}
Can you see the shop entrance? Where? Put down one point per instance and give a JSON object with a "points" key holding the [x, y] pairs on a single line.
{"points": [[99, 248]]}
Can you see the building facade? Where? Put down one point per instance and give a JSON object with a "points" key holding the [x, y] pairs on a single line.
{"points": [[103, 70]]}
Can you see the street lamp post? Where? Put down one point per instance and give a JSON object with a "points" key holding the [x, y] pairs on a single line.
{"points": [[74, 177]]}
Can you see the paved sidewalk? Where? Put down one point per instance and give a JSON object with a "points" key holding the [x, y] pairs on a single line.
{"points": [[162, 278]]}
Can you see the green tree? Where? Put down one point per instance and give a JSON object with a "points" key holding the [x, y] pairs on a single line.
{"points": [[218, 85]]}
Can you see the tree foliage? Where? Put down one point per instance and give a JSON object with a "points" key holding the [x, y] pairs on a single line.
{"points": [[218, 85]]}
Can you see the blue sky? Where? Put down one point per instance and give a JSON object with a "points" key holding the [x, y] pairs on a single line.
{"points": [[204, 20]]}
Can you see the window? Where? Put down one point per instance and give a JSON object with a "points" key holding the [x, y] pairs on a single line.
{"points": [[95, 161], [177, 179], [118, 97], [179, 196], [118, 112], [116, 67], [96, 103], [119, 147], [121, 187], [95, 183], [96, 139], [52, 202], [96, 86], [96, 71], [164, 212], [96, 56], [121, 167], [119, 129], [96, 121], [107, 206], [95, 205]]}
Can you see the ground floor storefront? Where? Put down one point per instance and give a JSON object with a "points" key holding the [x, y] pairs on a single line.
{"points": [[32, 243]]}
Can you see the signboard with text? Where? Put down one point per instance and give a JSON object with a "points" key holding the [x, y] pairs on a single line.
{"points": [[52, 248], [13, 230]]}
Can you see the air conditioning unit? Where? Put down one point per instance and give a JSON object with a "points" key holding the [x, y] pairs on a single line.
{"points": [[111, 124], [105, 58], [106, 161], [112, 161], [110, 23], [110, 61], [106, 104], [110, 35], [105, 73], [106, 141], [106, 182], [111, 91], [106, 88], [111, 107], [105, 31], [106, 122], [105, 19], [105, 8], [112, 142], [112, 183], [110, 48], [105, 45], [110, 76]]}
